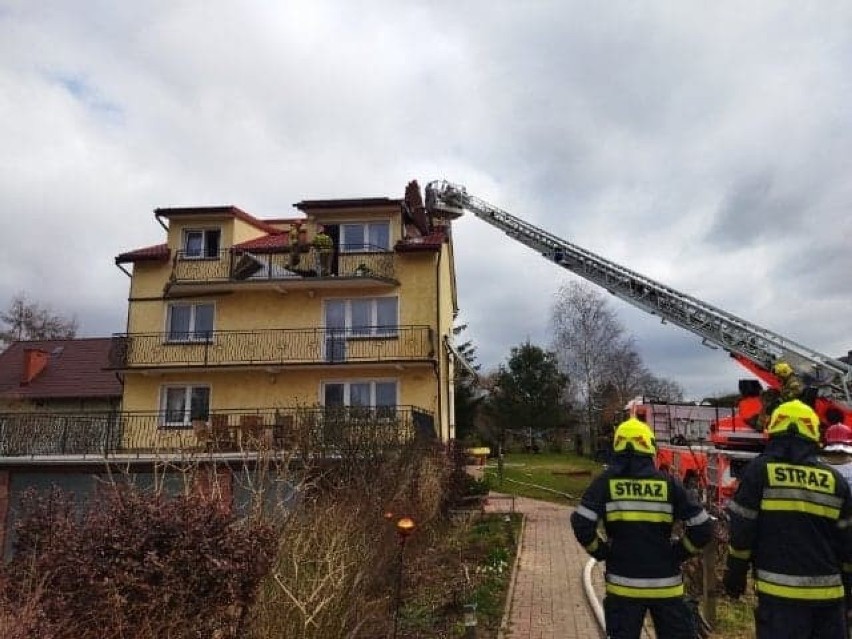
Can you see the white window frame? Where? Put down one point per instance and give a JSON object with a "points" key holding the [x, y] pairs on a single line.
{"points": [[364, 247], [191, 336], [188, 388], [371, 381], [390, 331], [203, 255]]}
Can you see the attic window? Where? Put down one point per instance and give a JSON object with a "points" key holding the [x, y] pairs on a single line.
{"points": [[364, 237], [202, 243]]}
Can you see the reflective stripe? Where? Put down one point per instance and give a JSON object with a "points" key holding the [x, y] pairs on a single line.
{"points": [[802, 587], [789, 505], [644, 582], [739, 554], [806, 581], [803, 495], [639, 516], [644, 588], [645, 593], [742, 511], [699, 519], [645, 506], [588, 513]]}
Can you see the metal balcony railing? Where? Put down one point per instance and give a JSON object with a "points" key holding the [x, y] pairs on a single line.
{"points": [[234, 265], [304, 430], [270, 347]]}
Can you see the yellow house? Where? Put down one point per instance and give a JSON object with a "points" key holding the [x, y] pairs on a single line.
{"points": [[236, 324]]}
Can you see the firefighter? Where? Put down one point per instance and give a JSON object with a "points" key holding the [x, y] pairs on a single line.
{"points": [[637, 505], [837, 451], [791, 388], [791, 520]]}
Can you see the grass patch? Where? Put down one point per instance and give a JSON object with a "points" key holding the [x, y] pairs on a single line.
{"points": [[563, 472]]}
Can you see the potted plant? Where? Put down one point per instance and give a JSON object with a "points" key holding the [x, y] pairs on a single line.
{"points": [[325, 249]]}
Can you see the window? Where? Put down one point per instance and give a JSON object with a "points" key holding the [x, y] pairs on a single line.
{"points": [[363, 317], [179, 405], [367, 236], [360, 393], [190, 322], [201, 244]]}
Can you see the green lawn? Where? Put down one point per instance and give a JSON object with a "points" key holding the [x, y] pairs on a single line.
{"points": [[563, 472]]}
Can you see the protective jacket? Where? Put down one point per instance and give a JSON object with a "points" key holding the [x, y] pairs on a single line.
{"points": [[791, 518], [638, 506]]}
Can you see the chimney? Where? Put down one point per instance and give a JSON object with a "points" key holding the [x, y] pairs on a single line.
{"points": [[35, 360]]}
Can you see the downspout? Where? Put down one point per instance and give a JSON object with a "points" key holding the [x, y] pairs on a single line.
{"points": [[438, 349]]}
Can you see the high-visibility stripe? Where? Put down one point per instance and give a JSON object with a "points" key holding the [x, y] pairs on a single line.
{"points": [[799, 592], [791, 505], [644, 582], [699, 519], [802, 587], [623, 515], [739, 554], [742, 511], [646, 506], [588, 513], [803, 495], [645, 593]]}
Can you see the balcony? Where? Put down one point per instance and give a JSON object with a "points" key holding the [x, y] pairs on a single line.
{"points": [[273, 348], [348, 266], [222, 433]]}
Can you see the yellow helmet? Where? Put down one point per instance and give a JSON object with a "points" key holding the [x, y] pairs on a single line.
{"points": [[796, 418], [634, 435], [782, 370]]}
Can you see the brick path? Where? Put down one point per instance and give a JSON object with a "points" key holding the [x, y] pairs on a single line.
{"points": [[548, 601]]}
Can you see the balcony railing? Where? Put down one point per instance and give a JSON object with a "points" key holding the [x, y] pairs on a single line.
{"points": [[233, 265], [272, 347], [307, 431]]}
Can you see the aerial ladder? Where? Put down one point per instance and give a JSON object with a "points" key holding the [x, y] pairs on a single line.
{"points": [[754, 347]]}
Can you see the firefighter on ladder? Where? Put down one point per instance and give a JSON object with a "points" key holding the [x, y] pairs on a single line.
{"points": [[791, 520], [637, 505]]}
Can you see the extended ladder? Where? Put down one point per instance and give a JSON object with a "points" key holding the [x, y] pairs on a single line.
{"points": [[715, 326]]}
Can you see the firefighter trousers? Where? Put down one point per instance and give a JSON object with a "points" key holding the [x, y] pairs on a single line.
{"points": [[624, 616], [777, 620]]}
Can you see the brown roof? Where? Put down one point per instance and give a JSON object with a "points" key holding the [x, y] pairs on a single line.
{"points": [[266, 243], [347, 203], [74, 370], [217, 210], [158, 253], [431, 242]]}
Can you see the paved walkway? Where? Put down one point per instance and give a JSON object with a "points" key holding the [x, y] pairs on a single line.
{"points": [[548, 600]]}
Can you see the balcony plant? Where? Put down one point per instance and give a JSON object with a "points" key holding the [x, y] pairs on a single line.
{"points": [[325, 249]]}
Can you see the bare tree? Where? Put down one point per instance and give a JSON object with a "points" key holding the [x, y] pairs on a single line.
{"points": [[28, 320], [587, 335]]}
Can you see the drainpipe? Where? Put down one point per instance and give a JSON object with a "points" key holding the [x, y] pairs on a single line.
{"points": [[438, 339]]}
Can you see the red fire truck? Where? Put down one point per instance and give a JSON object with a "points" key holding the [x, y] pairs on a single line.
{"points": [[731, 441]]}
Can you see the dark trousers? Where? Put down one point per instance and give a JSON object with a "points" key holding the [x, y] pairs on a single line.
{"points": [[624, 617], [776, 620]]}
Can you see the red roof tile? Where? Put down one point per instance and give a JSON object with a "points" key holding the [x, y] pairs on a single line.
{"points": [[158, 253], [268, 243], [431, 242], [74, 370]]}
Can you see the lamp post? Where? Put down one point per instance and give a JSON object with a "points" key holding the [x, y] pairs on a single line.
{"points": [[404, 527]]}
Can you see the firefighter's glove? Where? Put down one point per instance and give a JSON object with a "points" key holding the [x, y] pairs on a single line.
{"points": [[601, 551], [734, 581]]}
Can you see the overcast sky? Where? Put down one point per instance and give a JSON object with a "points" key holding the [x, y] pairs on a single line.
{"points": [[705, 145]]}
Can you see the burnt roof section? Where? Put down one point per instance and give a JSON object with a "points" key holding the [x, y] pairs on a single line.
{"points": [[431, 242], [354, 203], [228, 209], [74, 370], [157, 253]]}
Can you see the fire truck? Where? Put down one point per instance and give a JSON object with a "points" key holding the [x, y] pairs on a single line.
{"points": [[714, 463]]}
